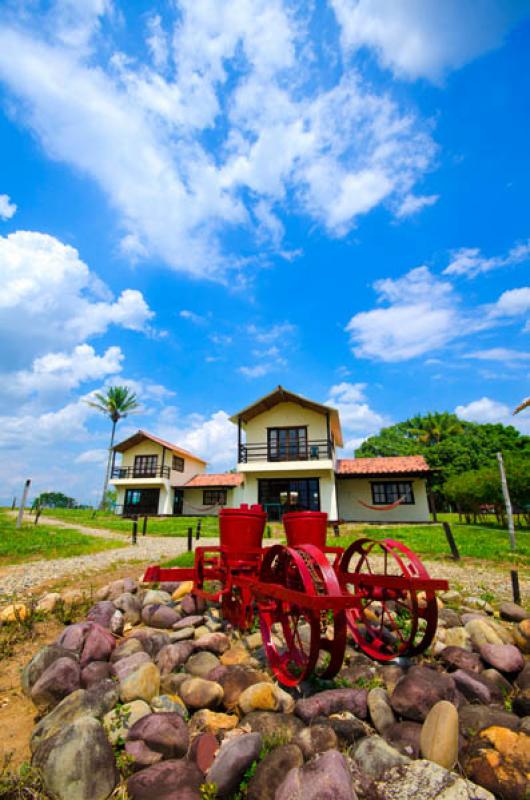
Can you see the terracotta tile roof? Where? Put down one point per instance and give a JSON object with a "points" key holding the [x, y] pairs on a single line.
{"points": [[382, 465], [205, 479], [139, 436]]}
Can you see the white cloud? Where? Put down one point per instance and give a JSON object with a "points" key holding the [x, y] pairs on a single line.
{"points": [[277, 333], [426, 38], [97, 456], [213, 438], [358, 419], [470, 262], [491, 411], [51, 300], [243, 70], [421, 317], [197, 319], [67, 424], [256, 371], [500, 354], [412, 204], [7, 208], [512, 303]]}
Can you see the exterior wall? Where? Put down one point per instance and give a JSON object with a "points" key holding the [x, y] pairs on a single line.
{"points": [[349, 490], [165, 500], [193, 504], [285, 415], [248, 492], [149, 448]]}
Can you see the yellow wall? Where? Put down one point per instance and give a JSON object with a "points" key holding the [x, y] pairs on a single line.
{"points": [[349, 490], [193, 502], [149, 448], [285, 415]]}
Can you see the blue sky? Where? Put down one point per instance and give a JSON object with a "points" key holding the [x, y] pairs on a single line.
{"points": [[204, 199]]}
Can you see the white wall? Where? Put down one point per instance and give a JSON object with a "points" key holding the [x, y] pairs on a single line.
{"points": [[285, 415], [193, 504], [248, 492], [350, 490]]}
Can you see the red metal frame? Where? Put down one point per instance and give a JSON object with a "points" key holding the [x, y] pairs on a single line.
{"points": [[306, 602]]}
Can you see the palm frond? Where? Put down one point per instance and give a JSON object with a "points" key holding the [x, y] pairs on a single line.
{"points": [[522, 406]]}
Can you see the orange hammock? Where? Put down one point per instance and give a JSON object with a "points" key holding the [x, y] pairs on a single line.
{"points": [[389, 507]]}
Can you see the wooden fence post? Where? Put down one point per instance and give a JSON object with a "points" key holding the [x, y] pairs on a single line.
{"points": [[198, 531], [144, 528], [190, 540], [451, 540], [135, 530], [23, 502]]}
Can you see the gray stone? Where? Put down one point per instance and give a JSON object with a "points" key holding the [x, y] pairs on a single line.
{"points": [[156, 597], [152, 640], [498, 679], [78, 762], [165, 703], [200, 664], [159, 616], [189, 622], [164, 732], [169, 780], [375, 756], [269, 723], [94, 673], [473, 718], [142, 684], [182, 634], [174, 655], [504, 657], [405, 737], [118, 722], [141, 754], [316, 739], [331, 701], [40, 663], [193, 605], [170, 684], [523, 679], [423, 780], [232, 761], [130, 606], [102, 613], [62, 677], [126, 666], [117, 623], [417, 691], [477, 689], [380, 709], [217, 643], [460, 658], [449, 618], [271, 772], [200, 693], [512, 612], [327, 777], [128, 648]]}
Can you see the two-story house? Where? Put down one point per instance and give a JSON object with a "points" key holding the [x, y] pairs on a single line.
{"points": [[286, 460]]}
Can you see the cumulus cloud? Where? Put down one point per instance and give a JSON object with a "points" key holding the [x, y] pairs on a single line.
{"points": [[412, 204], [212, 437], [469, 261], [486, 410], [505, 354], [357, 418], [426, 38], [512, 303], [7, 208], [242, 70]]}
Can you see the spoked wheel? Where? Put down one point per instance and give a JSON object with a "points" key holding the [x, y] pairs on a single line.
{"points": [[389, 620], [207, 571], [293, 634]]}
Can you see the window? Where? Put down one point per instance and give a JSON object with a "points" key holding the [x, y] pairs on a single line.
{"points": [[214, 497], [178, 463], [386, 493], [287, 444], [145, 466], [278, 495]]}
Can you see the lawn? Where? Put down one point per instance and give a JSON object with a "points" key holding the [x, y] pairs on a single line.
{"points": [[156, 526], [33, 542]]}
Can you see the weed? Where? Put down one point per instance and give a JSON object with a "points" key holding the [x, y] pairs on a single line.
{"points": [[22, 629], [208, 791], [23, 784]]}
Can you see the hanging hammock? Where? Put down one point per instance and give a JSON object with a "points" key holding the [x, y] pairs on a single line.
{"points": [[389, 507]]}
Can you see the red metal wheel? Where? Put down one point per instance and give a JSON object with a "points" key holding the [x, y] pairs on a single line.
{"points": [[389, 619]]}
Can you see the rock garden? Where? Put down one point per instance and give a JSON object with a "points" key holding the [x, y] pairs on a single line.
{"points": [[154, 697]]}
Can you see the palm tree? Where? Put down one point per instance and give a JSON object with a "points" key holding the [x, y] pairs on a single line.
{"points": [[433, 428], [116, 403], [524, 404]]}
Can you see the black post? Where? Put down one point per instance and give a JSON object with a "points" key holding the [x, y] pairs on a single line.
{"points": [[268, 531], [14, 504], [198, 531], [336, 529], [515, 586], [450, 538], [432, 504], [144, 528], [190, 540], [135, 530]]}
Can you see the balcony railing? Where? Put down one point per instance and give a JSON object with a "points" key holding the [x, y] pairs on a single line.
{"points": [[313, 450], [140, 472]]}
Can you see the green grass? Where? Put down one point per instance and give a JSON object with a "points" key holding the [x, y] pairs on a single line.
{"points": [[163, 526], [183, 560], [32, 542]]}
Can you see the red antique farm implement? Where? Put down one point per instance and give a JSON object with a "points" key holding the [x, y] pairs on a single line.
{"points": [[308, 595]]}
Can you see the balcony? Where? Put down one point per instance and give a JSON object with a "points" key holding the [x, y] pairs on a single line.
{"points": [[312, 450], [125, 473]]}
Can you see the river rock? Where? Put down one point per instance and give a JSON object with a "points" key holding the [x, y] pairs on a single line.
{"points": [[513, 612], [174, 655], [476, 688], [232, 761], [184, 588], [380, 709], [523, 679], [127, 648], [159, 616], [316, 739], [327, 777], [498, 759], [423, 780], [94, 673], [348, 728], [439, 735], [182, 634], [474, 718], [48, 603], [62, 677], [200, 664], [165, 733], [173, 703], [265, 696], [119, 721], [192, 621], [458, 637], [460, 658], [237, 655], [481, 633], [126, 666], [272, 771], [405, 737], [130, 606], [331, 701], [170, 684], [200, 693], [206, 721], [522, 636], [234, 680], [375, 756], [418, 690], [102, 613], [156, 597], [142, 756], [89, 640], [270, 723], [78, 762], [176, 779], [152, 640], [504, 657], [142, 684], [40, 662], [521, 703], [217, 643], [192, 605], [203, 750]]}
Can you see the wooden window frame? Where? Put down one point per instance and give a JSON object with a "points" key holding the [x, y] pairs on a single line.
{"points": [[214, 497], [143, 472], [302, 454], [177, 460], [381, 496]]}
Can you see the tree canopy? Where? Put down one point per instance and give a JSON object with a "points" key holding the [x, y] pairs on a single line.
{"points": [[53, 500]]}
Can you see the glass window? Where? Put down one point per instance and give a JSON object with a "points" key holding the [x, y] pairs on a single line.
{"points": [[387, 492], [214, 497], [287, 444], [178, 464], [145, 466]]}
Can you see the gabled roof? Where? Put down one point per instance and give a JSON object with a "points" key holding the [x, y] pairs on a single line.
{"points": [[382, 465], [140, 436], [281, 395], [214, 479]]}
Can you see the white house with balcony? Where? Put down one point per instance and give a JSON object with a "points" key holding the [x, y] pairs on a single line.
{"points": [[286, 460]]}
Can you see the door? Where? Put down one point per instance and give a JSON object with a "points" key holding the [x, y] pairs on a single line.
{"points": [[178, 502], [145, 466], [279, 495], [141, 501]]}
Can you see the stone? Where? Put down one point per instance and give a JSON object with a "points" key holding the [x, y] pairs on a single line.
{"points": [[200, 693], [525, 725], [513, 612], [114, 589], [182, 634], [182, 590], [202, 630], [191, 604], [152, 640], [94, 702], [126, 666], [62, 677], [380, 709], [375, 756], [331, 701], [418, 690], [159, 616], [498, 759], [270, 723], [89, 640], [235, 656], [325, 778], [103, 592], [192, 621], [458, 637], [316, 739], [254, 640], [264, 696], [203, 750], [523, 679], [40, 662], [128, 648], [217, 643], [423, 780], [522, 636], [15, 612], [156, 597], [234, 680], [504, 657], [176, 779], [347, 727], [232, 761], [94, 673], [78, 763], [460, 658], [451, 596], [130, 606], [165, 733], [48, 603], [119, 721], [477, 689], [521, 703], [142, 684], [439, 735], [482, 633], [170, 684], [206, 721], [102, 613], [272, 771], [405, 737], [173, 656], [72, 597], [166, 702], [390, 674], [473, 718], [117, 623], [498, 679], [141, 754], [200, 664], [478, 603]]}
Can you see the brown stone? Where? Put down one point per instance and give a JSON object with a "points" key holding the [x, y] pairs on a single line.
{"points": [[499, 759]]}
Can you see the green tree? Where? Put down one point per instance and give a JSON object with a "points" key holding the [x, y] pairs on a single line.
{"points": [[434, 427], [53, 500], [116, 403]]}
